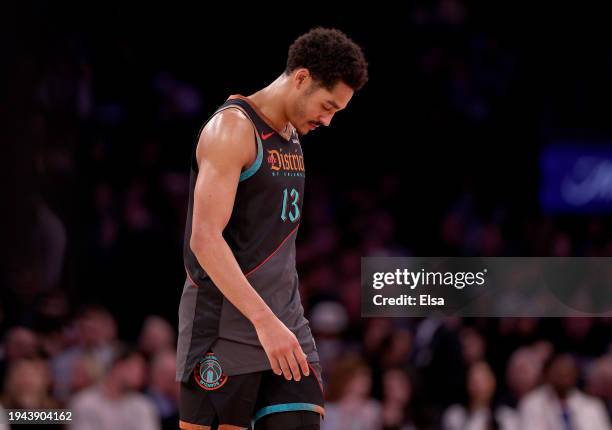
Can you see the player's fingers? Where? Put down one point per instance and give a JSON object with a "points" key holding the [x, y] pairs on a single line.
{"points": [[285, 366], [275, 366], [301, 359], [293, 364]]}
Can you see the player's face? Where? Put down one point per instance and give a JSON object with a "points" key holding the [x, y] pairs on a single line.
{"points": [[317, 105]]}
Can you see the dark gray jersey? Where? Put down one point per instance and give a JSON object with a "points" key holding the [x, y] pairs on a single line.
{"points": [[261, 234]]}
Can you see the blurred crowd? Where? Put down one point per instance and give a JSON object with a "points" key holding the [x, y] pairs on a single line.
{"points": [[84, 367], [379, 373], [89, 297], [512, 373]]}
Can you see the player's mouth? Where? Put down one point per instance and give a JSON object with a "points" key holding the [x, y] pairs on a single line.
{"points": [[313, 125]]}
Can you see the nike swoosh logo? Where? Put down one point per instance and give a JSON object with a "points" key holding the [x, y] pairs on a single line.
{"points": [[266, 136]]}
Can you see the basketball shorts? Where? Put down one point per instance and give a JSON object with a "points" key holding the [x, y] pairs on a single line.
{"points": [[211, 398]]}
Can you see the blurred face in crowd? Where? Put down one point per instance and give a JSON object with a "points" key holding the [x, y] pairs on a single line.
{"points": [[96, 328], [131, 372], [20, 343], [562, 374], [397, 386], [163, 372], [599, 380], [481, 383], [27, 384], [524, 372], [85, 373], [157, 335], [473, 345], [311, 105], [360, 384], [376, 332], [543, 350], [399, 348]]}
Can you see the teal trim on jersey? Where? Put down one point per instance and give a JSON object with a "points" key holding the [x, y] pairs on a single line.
{"points": [[287, 407], [256, 164]]}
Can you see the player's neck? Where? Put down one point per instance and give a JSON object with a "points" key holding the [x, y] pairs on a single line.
{"points": [[270, 101]]}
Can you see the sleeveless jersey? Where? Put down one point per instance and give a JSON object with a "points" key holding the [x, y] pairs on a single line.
{"points": [[261, 234]]}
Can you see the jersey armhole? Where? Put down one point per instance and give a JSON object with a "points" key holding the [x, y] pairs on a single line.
{"points": [[256, 164], [252, 169]]}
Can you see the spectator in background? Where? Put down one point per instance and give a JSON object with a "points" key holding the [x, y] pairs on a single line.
{"points": [[51, 315], [480, 412], [349, 405], [523, 374], [559, 404], [599, 381], [397, 390], [163, 389], [376, 333], [19, 343], [328, 321], [115, 403], [157, 335], [96, 338], [85, 373], [397, 352], [473, 345], [27, 386]]}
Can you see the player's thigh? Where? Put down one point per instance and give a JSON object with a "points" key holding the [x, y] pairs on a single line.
{"points": [[293, 420]]}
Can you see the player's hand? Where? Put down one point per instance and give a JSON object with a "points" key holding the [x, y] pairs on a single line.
{"points": [[282, 348]]}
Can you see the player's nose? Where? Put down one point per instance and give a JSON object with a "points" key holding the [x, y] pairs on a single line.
{"points": [[326, 119]]}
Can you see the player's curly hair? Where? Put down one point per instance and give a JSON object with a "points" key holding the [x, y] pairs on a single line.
{"points": [[330, 56]]}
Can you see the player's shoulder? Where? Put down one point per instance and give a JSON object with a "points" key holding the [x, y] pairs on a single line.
{"points": [[230, 122], [228, 135]]}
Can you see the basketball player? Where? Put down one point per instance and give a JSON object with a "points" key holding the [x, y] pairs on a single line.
{"points": [[246, 355]]}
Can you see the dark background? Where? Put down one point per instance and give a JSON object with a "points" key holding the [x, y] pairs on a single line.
{"points": [[437, 155]]}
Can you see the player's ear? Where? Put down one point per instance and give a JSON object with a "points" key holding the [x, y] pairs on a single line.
{"points": [[300, 78]]}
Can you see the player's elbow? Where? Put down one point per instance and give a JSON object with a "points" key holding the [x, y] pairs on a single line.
{"points": [[204, 240]]}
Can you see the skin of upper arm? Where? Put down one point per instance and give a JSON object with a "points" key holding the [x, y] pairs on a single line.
{"points": [[225, 147]]}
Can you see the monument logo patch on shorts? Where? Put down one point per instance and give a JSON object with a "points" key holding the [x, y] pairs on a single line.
{"points": [[208, 373]]}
